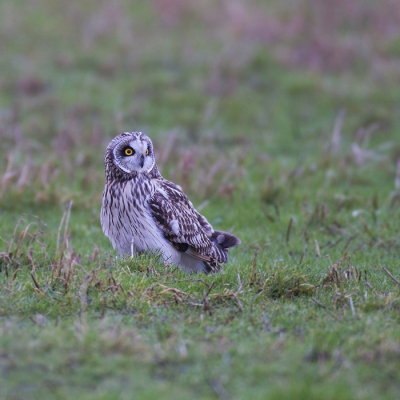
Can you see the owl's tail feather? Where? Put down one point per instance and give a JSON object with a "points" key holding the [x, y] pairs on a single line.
{"points": [[225, 240], [210, 267], [222, 242]]}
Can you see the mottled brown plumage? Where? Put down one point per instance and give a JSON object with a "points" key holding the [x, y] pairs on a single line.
{"points": [[142, 211]]}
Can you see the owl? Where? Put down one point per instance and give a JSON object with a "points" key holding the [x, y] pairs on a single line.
{"points": [[142, 211]]}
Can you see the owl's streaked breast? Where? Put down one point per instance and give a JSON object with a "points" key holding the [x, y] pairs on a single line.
{"points": [[125, 216]]}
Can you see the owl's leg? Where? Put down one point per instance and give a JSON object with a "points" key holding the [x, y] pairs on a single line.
{"points": [[133, 247]]}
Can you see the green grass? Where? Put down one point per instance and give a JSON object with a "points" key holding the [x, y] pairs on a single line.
{"points": [[241, 100]]}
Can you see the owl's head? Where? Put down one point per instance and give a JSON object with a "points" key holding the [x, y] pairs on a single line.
{"points": [[131, 152]]}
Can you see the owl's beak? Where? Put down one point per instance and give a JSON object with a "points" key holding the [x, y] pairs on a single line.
{"points": [[141, 161]]}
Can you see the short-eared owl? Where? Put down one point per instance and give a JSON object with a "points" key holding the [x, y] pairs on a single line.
{"points": [[142, 209]]}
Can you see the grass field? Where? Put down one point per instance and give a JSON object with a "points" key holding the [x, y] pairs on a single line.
{"points": [[281, 121]]}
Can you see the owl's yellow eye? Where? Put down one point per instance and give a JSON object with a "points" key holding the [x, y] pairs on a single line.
{"points": [[128, 151], [147, 152]]}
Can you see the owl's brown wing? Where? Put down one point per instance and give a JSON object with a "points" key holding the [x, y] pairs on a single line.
{"points": [[186, 229]]}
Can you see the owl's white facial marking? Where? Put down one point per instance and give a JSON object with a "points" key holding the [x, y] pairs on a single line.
{"points": [[134, 153]]}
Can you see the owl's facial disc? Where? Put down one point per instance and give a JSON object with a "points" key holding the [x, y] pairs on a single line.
{"points": [[134, 156]]}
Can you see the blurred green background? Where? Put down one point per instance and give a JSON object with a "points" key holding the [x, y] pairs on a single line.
{"points": [[280, 120]]}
